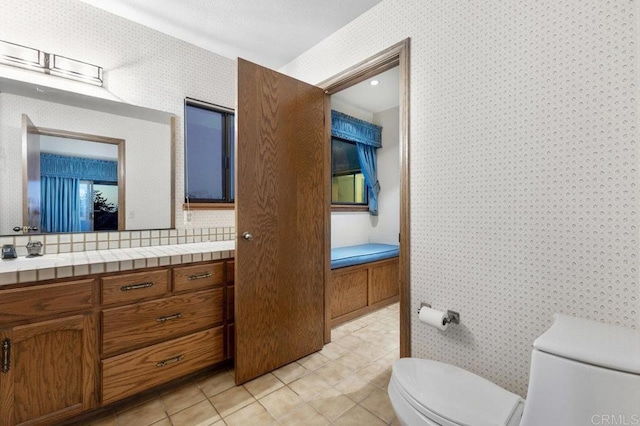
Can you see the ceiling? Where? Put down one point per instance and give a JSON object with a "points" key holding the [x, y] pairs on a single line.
{"points": [[377, 98], [269, 32]]}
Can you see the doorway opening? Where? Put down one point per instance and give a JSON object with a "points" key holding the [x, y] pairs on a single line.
{"points": [[348, 91]]}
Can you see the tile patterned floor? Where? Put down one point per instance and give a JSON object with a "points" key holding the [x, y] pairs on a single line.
{"points": [[343, 384]]}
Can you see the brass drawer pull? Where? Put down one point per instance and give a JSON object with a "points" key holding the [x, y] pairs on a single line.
{"points": [[199, 276], [170, 361], [136, 286], [169, 317], [6, 356]]}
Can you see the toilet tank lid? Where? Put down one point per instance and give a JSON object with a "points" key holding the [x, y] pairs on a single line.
{"points": [[592, 342]]}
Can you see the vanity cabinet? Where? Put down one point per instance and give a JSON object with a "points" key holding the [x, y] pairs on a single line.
{"points": [[48, 365], [70, 347]]}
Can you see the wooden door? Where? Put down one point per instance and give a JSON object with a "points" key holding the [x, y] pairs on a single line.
{"points": [[30, 174], [51, 371], [281, 208]]}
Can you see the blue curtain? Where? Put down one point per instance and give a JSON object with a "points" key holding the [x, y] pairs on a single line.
{"points": [[63, 166], [368, 163], [59, 204], [368, 138]]}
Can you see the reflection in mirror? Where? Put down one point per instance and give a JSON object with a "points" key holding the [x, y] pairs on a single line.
{"points": [[79, 188], [142, 135]]}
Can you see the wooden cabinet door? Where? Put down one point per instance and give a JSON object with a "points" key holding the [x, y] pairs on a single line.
{"points": [[282, 214], [48, 371]]}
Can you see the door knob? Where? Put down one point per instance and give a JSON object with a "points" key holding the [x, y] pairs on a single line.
{"points": [[247, 236]]}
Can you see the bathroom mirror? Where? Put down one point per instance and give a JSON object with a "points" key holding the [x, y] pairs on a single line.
{"points": [[115, 159]]}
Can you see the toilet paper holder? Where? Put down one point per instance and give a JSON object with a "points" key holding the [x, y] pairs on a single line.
{"points": [[452, 316]]}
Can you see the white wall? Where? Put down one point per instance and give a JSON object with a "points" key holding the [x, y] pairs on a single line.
{"points": [[147, 157], [141, 66], [387, 226], [523, 162]]}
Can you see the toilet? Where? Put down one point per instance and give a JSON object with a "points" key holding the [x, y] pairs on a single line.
{"points": [[582, 373]]}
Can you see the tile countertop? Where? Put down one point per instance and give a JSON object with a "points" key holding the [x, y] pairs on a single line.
{"points": [[68, 265]]}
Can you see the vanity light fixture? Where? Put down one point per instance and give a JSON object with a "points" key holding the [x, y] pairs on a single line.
{"points": [[75, 70], [374, 82], [49, 63], [21, 56]]}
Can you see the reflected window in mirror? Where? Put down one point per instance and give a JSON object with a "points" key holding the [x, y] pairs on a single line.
{"points": [[209, 153]]}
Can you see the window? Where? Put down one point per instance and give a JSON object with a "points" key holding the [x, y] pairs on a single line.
{"points": [[347, 181], [208, 153]]}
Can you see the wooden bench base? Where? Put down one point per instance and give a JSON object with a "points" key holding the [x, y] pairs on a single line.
{"points": [[360, 289]]}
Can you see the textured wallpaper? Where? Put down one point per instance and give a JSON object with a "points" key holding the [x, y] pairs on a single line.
{"points": [[524, 166], [141, 67]]}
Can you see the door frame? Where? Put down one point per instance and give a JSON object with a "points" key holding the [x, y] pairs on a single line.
{"points": [[396, 55]]}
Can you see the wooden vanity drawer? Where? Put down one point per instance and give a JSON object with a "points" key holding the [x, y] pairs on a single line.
{"points": [[133, 326], [198, 276], [132, 287], [132, 372], [20, 304]]}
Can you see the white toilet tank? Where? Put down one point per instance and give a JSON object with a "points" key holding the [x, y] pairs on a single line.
{"points": [[584, 373]]}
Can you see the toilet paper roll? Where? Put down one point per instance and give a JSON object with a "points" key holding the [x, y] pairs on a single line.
{"points": [[433, 317]]}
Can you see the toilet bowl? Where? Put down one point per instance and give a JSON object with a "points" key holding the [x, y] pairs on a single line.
{"points": [[582, 371]]}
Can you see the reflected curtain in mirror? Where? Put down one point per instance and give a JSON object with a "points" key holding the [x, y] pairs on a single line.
{"points": [[60, 187]]}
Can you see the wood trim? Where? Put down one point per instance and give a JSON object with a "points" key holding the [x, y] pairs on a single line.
{"points": [[405, 199], [327, 219], [76, 135], [363, 311], [208, 206], [347, 208], [396, 55], [172, 166]]}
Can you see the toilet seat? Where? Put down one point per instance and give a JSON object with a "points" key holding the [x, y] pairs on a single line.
{"points": [[450, 396]]}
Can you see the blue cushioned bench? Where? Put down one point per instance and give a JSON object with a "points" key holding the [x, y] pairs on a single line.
{"points": [[363, 278], [364, 253]]}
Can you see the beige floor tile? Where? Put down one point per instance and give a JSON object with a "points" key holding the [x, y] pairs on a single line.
{"points": [[263, 385], [313, 361], [372, 371], [350, 342], [352, 361], [252, 414], [200, 414], [142, 415], [358, 416], [356, 388], [231, 400], [309, 386], [281, 402], [164, 422], [371, 351], [304, 415], [333, 351], [217, 383], [333, 373], [331, 403], [380, 405], [290, 372], [182, 398]]}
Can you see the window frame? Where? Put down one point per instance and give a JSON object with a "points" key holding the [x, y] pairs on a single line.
{"points": [[228, 124], [347, 206]]}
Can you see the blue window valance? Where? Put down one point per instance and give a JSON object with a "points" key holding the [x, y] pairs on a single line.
{"points": [[62, 166], [352, 129]]}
